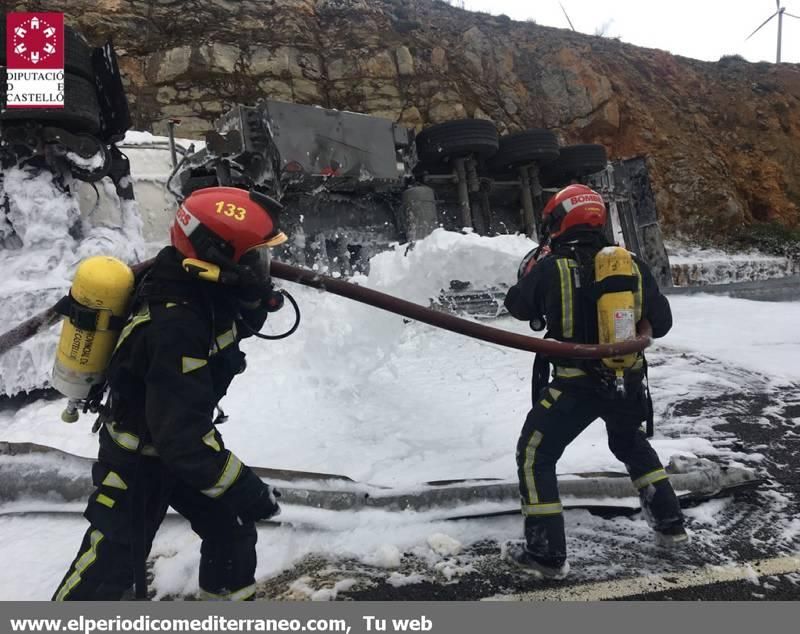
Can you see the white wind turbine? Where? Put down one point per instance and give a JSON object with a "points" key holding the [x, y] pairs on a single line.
{"points": [[780, 13]]}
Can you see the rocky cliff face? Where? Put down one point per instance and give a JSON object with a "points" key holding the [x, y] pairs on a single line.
{"points": [[722, 139]]}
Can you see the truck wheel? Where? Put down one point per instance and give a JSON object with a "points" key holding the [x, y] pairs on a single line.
{"points": [[452, 139], [574, 162], [90, 171], [530, 146], [77, 52], [80, 113]]}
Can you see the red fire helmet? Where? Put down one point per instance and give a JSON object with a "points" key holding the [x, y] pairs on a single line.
{"points": [[225, 221], [573, 206]]}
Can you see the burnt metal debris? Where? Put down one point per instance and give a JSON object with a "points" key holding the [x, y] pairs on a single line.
{"points": [[353, 184]]}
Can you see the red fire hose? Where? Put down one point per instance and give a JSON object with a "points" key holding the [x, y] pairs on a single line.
{"points": [[290, 273]]}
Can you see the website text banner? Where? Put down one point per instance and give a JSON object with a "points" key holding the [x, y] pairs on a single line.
{"points": [[368, 617]]}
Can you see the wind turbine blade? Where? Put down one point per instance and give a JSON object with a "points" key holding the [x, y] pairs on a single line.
{"points": [[778, 4], [791, 15], [763, 24], [566, 16]]}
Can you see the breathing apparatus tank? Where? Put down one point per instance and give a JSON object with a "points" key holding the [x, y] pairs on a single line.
{"points": [[616, 311], [94, 314]]}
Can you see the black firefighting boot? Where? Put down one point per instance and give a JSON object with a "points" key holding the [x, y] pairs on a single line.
{"points": [[663, 513], [544, 552], [227, 566]]}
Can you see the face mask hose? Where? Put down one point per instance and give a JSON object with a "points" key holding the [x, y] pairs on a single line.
{"points": [[289, 332]]}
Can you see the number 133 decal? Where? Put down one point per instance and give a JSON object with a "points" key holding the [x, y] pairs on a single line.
{"points": [[231, 210]]}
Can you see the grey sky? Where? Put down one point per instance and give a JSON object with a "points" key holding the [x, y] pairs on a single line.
{"points": [[703, 29]]}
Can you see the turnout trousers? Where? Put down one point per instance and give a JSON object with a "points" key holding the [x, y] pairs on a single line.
{"points": [[563, 410], [119, 512]]}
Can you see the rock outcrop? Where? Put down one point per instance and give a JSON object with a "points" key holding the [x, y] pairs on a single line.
{"points": [[722, 139]]}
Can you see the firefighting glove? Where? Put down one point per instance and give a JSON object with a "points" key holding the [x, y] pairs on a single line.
{"points": [[264, 297], [251, 296], [251, 499], [263, 506]]}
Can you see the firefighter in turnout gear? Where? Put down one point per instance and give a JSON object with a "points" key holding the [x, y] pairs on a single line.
{"points": [[562, 292], [159, 443]]}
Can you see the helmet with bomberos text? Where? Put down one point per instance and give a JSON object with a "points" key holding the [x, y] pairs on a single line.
{"points": [[574, 206], [221, 224]]}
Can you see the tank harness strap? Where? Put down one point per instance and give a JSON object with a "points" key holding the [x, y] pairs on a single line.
{"points": [[650, 420], [86, 318], [541, 375], [613, 284]]}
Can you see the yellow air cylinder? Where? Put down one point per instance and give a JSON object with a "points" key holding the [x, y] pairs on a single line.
{"points": [[616, 316], [103, 285]]}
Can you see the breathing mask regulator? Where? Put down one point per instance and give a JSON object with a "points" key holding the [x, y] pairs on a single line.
{"points": [[226, 234], [250, 279]]}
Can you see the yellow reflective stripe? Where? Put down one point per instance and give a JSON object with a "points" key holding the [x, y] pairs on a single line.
{"points": [[170, 304], [225, 339], [190, 364], [81, 564], [243, 594], [231, 471], [239, 595], [637, 296], [122, 438], [106, 501], [530, 459], [650, 478], [114, 480], [569, 373], [129, 441], [553, 508], [566, 298], [210, 439], [141, 317], [545, 403], [554, 393]]}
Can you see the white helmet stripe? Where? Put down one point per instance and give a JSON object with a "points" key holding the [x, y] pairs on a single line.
{"points": [[581, 199], [186, 221]]}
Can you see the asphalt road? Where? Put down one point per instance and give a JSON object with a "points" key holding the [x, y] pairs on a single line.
{"points": [[743, 548]]}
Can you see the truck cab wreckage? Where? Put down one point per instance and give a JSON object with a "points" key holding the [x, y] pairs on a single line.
{"points": [[351, 184]]}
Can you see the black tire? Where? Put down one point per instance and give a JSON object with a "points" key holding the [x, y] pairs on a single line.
{"points": [[77, 52], [574, 163], [95, 146], [80, 113], [453, 139], [530, 146]]}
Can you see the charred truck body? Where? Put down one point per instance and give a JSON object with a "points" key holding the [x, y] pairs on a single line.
{"points": [[352, 184]]}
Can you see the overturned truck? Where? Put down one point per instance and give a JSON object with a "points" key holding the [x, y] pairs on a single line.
{"points": [[351, 184]]}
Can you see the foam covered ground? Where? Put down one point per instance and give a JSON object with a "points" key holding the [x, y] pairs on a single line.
{"points": [[356, 391], [363, 393]]}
